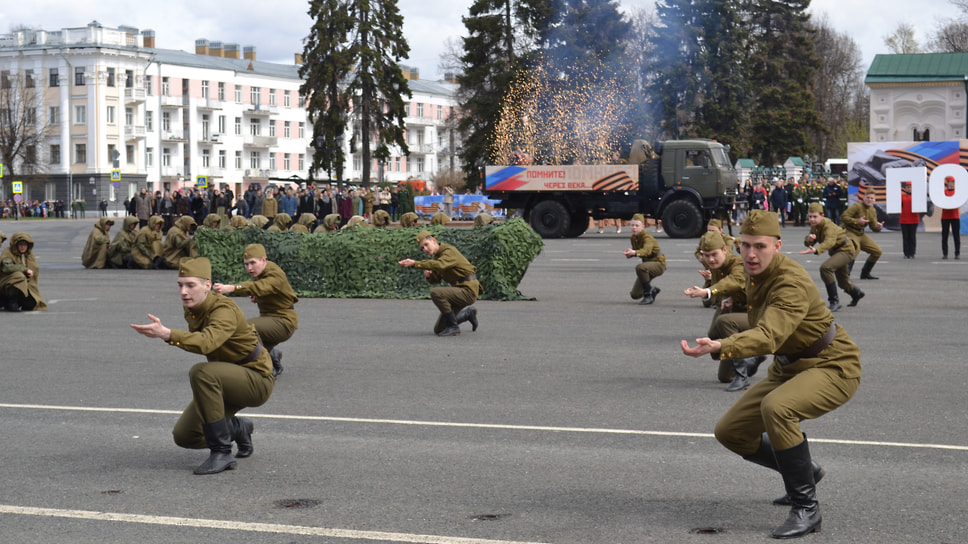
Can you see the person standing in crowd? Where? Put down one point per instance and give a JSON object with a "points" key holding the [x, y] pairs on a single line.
{"points": [[950, 222], [832, 193], [395, 203], [825, 235], [290, 203], [19, 273], [183, 204], [455, 303], [816, 370], [95, 253], [198, 207], [237, 373], [165, 207], [855, 221], [726, 290], [449, 200], [142, 202], [909, 223], [270, 205], [778, 201], [653, 264], [271, 291]]}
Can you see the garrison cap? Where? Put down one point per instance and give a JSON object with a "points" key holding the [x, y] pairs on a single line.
{"points": [[711, 240], [423, 234], [254, 251], [195, 268], [761, 223], [639, 217], [816, 207], [715, 223]]}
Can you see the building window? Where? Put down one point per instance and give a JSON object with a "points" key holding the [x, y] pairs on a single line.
{"points": [[221, 124], [55, 154], [129, 79], [206, 158], [440, 113], [221, 91], [204, 89], [420, 164], [302, 162], [110, 115], [420, 112], [113, 154], [150, 156], [206, 129], [238, 160], [255, 128], [29, 79], [287, 130], [238, 126], [165, 156], [302, 129], [129, 116], [272, 161], [255, 95], [287, 100], [111, 77], [80, 114], [30, 116], [5, 79], [286, 165], [272, 97], [150, 121], [254, 160], [238, 94], [80, 153], [79, 76], [53, 115], [53, 77], [165, 86], [129, 154], [165, 121], [272, 128], [149, 85], [397, 164], [221, 159]]}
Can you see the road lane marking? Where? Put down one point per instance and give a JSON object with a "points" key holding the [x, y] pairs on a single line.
{"points": [[585, 430], [247, 526]]}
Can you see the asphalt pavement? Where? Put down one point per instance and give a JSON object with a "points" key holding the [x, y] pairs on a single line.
{"points": [[572, 418]]}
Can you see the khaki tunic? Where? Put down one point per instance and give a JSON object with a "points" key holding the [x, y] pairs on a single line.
{"points": [[787, 315], [147, 244], [270, 207], [850, 221], [95, 253], [178, 243], [653, 262], [13, 268], [277, 319], [842, 250], [451, 266], [124, 240]]}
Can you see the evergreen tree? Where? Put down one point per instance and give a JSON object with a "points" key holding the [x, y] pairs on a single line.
{"points": [[367, 36]]}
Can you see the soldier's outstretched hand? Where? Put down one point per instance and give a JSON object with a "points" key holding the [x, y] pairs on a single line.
{"points": [[704, 346]]}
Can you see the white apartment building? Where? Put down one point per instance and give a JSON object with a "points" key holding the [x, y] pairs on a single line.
{"points": [[110, 104]]}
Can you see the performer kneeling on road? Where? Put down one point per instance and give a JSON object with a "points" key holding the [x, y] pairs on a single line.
{"points": [[653, 264], [455, 303], [727, 290], [269, 289], [238, 373], [816, 370]]}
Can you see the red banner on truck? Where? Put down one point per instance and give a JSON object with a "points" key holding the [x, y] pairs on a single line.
{"points": [[598, 177]]}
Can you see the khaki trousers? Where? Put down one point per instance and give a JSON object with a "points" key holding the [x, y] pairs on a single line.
{"points": [[450, 299], [836, 268], [645, 272], [219, 390], [272, 330], [867, 245]]}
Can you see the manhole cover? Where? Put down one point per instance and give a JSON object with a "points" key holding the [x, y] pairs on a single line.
{"points": [[297, 503], [708, 531], [489, 517]]}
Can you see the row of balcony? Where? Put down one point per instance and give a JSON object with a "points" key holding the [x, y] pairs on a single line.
{"points": [[180, 172]]}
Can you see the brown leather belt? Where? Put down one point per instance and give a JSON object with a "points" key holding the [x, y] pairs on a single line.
{"points": [[813, 349], [468, 278], [252, 356]]}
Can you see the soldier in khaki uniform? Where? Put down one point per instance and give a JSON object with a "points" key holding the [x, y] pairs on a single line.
{"points": [[827, 236], [269, 289], [19, 273], [653, 264], [816, 369], [726, 290], [236, 375], [119, 253], [147, 244], [95, 253], [455, 303], [329, 225], [179, 243], [855, 220]]}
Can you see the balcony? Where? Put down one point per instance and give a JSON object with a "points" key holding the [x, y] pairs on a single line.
{"points": [[134, 132], [261, 110], [254, 173], [173, 137], [209, 104], [210, 139], [420, 121], [172, 102], [259, 141], [422, 149], [133, 95]]}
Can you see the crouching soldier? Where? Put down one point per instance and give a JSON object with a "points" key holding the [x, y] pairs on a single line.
{"points": [[826, 236]]}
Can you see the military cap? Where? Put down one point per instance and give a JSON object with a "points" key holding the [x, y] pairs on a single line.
{"points": [[761, 223], [815, 207], [195, 268], [711, 241], [639, 217], [715, 223], [254, 251], [423, 234]]}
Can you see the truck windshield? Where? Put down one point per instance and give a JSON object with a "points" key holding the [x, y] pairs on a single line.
{"points": [[720, 158]]}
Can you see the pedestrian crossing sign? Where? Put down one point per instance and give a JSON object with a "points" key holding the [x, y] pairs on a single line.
{"points": [[201, 181], [18, 187], [1, 169], [115, 175]]}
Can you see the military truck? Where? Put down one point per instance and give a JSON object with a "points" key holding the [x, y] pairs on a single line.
{"points": [[682, 182]]}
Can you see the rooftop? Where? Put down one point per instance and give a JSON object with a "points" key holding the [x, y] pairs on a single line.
{"points": [[923, 67]]}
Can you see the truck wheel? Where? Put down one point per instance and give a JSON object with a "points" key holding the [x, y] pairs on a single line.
{"points": [[550, 219], [682, 219], [578, 226]]}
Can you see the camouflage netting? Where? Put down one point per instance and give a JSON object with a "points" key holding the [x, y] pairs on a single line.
{"points": [[363, 263]]}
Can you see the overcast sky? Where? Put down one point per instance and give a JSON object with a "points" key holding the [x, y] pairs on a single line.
{"points": [[277, 32]]}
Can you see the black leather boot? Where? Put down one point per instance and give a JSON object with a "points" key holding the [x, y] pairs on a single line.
{"points": [[766, 458], [865, 273], [832, 298], [741, 379], [753, 364], [648, 296], [468, 314], [218, 437], [451, 328], [276, 356], [242, 428], [855, 296], [797, 471]]}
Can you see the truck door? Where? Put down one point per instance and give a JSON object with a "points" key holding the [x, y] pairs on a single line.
{"points": [[698, 172]]}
